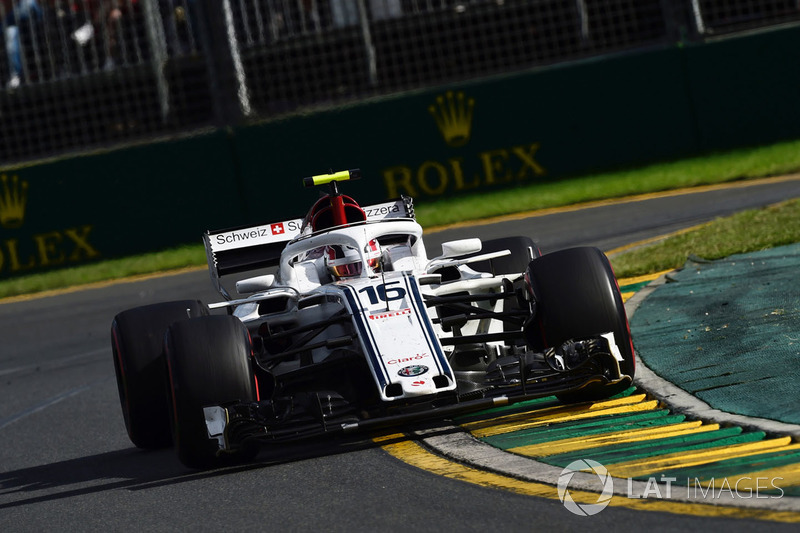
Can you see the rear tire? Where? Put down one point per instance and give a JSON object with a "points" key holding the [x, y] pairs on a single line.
{"points": [[209, 364], [577, 296], [137, 340]]}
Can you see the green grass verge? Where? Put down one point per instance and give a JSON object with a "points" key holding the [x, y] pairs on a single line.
{"points": [[749, 163], [748, 231], [773, 160], [185, 256]]}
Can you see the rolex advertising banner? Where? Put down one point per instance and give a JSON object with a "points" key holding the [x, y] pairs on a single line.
{"points": [[505, 132], [140, 199]]}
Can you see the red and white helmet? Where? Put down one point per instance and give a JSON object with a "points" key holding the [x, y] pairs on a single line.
{"points": [[345, 262]]}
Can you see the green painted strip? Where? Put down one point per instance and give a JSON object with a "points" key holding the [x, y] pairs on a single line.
{"points": [[787, 491], [633, 287], [598, 422], [538, 403], [602, 420], [735, 467], [611, 454], [530, 405], [527, 437]]}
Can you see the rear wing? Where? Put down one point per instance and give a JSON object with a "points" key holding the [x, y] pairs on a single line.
{"points": [[247, 248]]}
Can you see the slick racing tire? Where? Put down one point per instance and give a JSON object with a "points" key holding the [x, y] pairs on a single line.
{"points": [[137, 341], [516, 263], [208, 364], [577, 296]]}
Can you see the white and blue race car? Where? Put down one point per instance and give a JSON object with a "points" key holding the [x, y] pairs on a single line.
{"points": [[349, 325]]}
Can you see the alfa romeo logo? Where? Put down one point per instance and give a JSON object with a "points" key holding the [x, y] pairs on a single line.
{"points": [[413, 370], [585, 509]]}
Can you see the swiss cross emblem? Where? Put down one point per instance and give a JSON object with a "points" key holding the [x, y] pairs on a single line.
{"points": [[277, 229]]}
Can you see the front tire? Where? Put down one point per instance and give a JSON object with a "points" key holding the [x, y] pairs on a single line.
{"points": [[577, 296], [137, 340], [209, 364]]}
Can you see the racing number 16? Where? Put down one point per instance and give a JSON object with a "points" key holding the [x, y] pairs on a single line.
{"points": [[384, 292]]}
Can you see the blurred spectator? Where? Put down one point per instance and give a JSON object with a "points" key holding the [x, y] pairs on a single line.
{"points": [[286, 18], [345, 12], [181, 25], [384, 9], [17, 13], [108, 19]]}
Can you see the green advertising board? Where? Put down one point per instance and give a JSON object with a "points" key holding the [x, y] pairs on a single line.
{"points": [[746, 90], [514, 130], [62, 213]]}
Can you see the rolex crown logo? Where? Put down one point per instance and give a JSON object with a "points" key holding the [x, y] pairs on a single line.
{"points": [[13, 196], [453, 116]]}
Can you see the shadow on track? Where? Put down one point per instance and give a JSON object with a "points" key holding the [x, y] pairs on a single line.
{"points": [[134, 470]]}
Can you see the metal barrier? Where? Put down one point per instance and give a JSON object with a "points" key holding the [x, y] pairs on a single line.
{"points": [[716, 17], [86, 74]]}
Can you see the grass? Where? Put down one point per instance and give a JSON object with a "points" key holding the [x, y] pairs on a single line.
{"points": [[748, 231], [755, 230], [174, 259], [773, 160]]}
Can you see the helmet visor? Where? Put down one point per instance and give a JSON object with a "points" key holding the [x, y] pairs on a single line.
{"points": [[348, 270]]}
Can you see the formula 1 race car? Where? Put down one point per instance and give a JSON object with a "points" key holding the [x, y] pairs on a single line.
{"points": [[356, 328]]}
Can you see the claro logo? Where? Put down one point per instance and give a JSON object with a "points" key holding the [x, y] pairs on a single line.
{"points": [[48, 249], [409, 359], [453, 115]]}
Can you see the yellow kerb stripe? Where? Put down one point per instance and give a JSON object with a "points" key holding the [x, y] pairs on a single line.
{"points": [[670, 461], [640, 279], [617, 437], [413, 454], [528, 415], [759, 481], [486, 428]]}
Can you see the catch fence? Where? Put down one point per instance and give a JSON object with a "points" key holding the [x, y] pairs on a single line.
{"points": [[78, 75]]}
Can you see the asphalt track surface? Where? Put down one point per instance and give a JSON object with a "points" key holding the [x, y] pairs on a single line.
{"points": [[66, 462]]}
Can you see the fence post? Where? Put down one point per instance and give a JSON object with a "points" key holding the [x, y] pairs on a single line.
{"points": [[158, 53], [679, 21], [699, 24], [366, 34], [226, 72]]}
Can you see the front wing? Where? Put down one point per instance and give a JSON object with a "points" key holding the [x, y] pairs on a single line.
{"points": [[238, 424]]}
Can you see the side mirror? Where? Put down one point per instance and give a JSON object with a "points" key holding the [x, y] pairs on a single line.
{"points": [[460, 247], [256, 284]]}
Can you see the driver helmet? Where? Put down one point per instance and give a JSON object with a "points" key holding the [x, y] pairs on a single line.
{"points": [[345, 262], [320, 216]]}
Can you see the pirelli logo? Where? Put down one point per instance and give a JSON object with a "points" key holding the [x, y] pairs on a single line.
{"points": [[389, 314]]}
